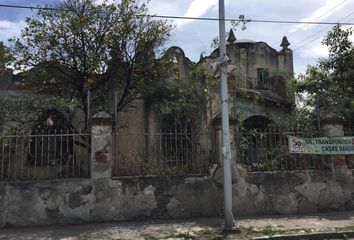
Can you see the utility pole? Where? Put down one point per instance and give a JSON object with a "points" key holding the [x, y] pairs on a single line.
{"points": [[226, 154], [88, 106]]}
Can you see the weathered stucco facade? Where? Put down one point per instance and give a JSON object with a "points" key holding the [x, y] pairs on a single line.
{"points": [[258, 79], [258, 91]]}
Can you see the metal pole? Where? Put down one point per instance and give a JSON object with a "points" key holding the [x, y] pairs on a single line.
{"points": [[318, 113], [88, 109], [226, 154], [115, 111]]}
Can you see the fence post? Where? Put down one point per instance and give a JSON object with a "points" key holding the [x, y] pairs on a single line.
{"points": [[101, 144], [332, 126]]}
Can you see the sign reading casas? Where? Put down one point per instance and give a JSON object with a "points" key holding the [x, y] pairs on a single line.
{"points": [[321, 145]]}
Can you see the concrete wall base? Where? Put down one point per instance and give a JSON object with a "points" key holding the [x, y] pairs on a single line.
{"points": [[98, 200]]}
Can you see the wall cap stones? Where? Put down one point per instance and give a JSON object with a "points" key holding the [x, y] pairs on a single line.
{"points": [[332, 118], [101, 118]]}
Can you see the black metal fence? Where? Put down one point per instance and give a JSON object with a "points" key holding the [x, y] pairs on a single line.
{"points": [[173, 152], [349, 158], [192, 152], [269, 151], [44, 155], [64, 154]]}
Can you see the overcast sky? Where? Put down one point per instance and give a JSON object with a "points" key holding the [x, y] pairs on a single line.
{"points": [[195, 37]]}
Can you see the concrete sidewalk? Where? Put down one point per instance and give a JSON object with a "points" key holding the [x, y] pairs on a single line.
{"points": [[205, 228]]}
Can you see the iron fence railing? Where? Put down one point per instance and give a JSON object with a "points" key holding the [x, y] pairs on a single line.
{"points": [[349, 158], [266, 151], [191, 152], [172, 152], [44, 155], [269, 151], [64, 154], [350, 161]]}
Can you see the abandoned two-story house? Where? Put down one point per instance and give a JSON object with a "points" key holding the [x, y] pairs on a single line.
{"points": [[258, 94], [152, 137]]}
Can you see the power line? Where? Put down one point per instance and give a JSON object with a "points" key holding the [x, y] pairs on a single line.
{"points": [[195, 18], [303, 45], [33, 8], [330, 10], [248, 20], [310, 41]]}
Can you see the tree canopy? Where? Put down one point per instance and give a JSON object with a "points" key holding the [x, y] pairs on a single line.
{"points": [[4, 56], [85, 46], [330, 83], [22, 114]]}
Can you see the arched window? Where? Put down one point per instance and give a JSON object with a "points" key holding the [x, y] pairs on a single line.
{"points": [[256, 140], [255, 123]]}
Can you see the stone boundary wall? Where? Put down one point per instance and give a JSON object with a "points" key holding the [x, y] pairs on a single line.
{"points": [[98, 200], [262, 193]]}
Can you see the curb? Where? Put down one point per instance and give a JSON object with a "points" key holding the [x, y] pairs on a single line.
{"points": [[312, 236]]}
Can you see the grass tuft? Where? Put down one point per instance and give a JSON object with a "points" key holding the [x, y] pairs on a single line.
{"points": [[269, 231]]}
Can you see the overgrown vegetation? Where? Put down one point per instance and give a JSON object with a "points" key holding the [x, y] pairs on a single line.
{"points": [[149, 236], [345, 229], [329, 85], [90, 47], [269, 231], [326, 87], [23, 113], [182, 235], [4, 56], [187, 94]]}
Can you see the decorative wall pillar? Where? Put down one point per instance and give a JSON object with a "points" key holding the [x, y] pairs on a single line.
{"points": [[332, 126], [101, 144]]}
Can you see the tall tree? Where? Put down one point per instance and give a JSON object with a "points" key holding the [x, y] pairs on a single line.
{"points": [[330, 83], [84, 46], [4, 56]]}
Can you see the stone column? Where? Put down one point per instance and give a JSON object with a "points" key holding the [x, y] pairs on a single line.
{"points": [[101, 144], [332, 126]]}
